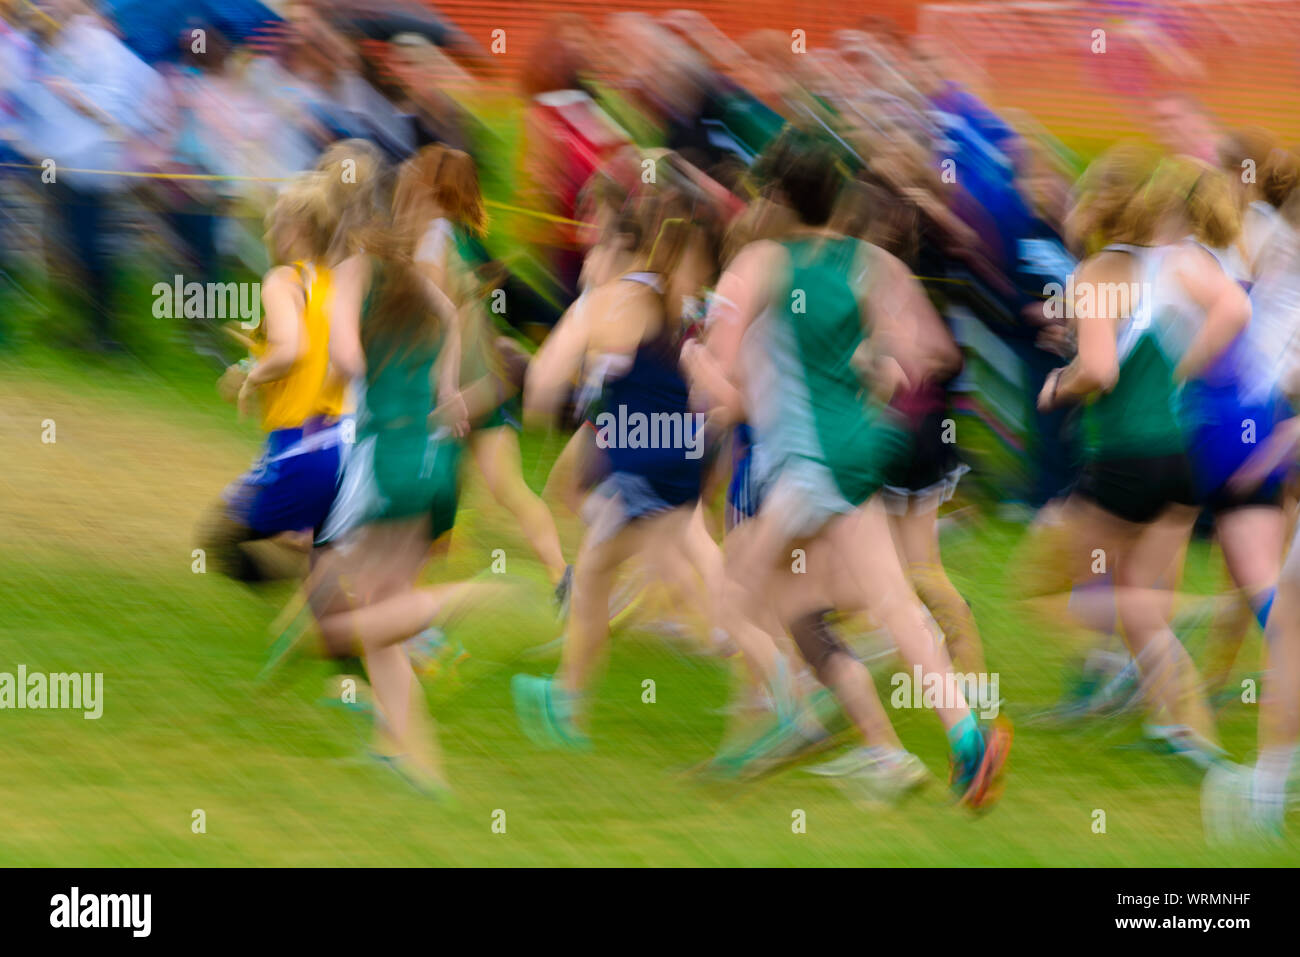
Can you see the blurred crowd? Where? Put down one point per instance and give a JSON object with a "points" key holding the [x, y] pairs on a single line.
{"points": [[160, 133]]}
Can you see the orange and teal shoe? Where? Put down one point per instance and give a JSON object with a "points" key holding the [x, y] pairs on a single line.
{"points": [[976, 776]]}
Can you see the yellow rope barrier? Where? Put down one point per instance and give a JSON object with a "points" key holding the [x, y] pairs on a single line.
{"points": [[217, 177], [537, 214]]}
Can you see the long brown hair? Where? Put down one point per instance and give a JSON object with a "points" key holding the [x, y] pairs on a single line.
{"points": [[398, 312], [450, 178]]}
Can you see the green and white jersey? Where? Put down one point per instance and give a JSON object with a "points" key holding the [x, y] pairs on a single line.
{"points": [[1138, 417], [809, 408]]}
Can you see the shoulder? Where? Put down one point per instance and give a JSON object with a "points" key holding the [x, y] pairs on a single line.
{"points": [[869, 256], [356, 268], [282, 278], [758, 259], [1191, 259], [1109, 264], [875, 269]]}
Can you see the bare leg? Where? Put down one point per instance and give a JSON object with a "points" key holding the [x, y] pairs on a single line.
{"points": [[593, 576], [496, 451], [862, 541], [916, 536], [847, 678], [564, 481], [1168, 675]]}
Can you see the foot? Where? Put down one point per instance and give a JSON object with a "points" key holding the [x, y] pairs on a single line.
{"points": [[1232, 812], [546, 713], [977, 781], [433, 655], [850, 762], [1183, 742], [428, 781], [887, 776], [1119, 694], [782, 742]]}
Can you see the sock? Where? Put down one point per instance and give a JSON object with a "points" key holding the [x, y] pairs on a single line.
{"points": [[1269, 780], [966, 741], [564, 706], [782, 691]]}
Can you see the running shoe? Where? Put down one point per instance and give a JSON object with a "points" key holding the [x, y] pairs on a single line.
{"points": [[287, 638], [1231, 812], [1120, 694], [850, 762], [433, 655], [1183, 742], [546, 713], [978, 784], [887, 776], [428, 783], [782, 740]]}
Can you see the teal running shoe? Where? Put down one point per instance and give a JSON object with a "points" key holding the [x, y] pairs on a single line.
{"points": [[546, 713]]}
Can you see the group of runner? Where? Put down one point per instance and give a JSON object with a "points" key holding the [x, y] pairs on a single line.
{"points": [[774, 328]]}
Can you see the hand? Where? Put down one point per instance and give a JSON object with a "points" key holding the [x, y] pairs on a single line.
{"points": [[887, 378], [691, 357], [1047, 397], [231, 382], [452, 414], [1055, 338], [246, 401], [693, 365], [1279, 446]]}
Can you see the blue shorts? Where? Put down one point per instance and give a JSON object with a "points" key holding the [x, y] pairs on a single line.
{"points": [[1223, 432], [623, 498], [293, 482], [743, 493]]}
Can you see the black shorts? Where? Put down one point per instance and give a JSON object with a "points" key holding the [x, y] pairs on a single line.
{"points": [[1137, 489], [929, 462]]}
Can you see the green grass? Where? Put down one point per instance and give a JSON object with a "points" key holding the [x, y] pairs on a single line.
{"points": [[95, 556]]}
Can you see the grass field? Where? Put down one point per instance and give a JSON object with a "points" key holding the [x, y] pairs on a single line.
{"points": [[95, 558]]}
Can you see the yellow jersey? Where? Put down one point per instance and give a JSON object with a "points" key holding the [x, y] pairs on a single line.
{"points": [[308, 390]]}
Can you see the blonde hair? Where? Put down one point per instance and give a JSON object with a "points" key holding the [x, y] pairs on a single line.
{"points": [[356, 180], [302, 213], [1102, 212], [1201, 193]]}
